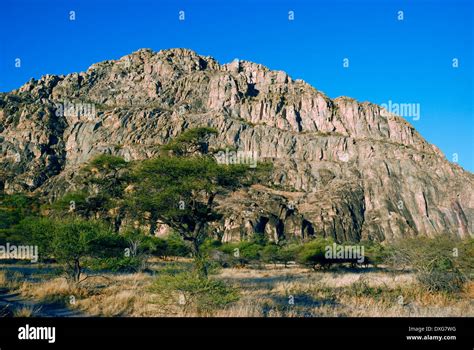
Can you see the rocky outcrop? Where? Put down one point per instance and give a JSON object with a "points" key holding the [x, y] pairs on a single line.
{"points": [[342, 168]]}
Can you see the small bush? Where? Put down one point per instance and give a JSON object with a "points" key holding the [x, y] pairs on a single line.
{"points": [[222, 259], [242, 253], [15, 207], [176, 246], [39, 231], [271, 253], [280, 254], [117, 264], [250, 251], [289, 252], [375, 253], [440, 264], [189, 292], [312, 254], [210, 244]]}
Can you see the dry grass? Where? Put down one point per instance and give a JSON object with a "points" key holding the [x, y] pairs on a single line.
{"points": [[267, 292], [124, 296], [55, 289], [469, 291], [27, 311], [297, 292], [3, 279], [10, 280], [114, 296]]}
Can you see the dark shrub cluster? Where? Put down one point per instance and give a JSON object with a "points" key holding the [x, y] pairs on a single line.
{"points": [[443, 263]]}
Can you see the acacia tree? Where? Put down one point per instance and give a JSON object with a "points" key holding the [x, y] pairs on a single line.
{"points": [[75, 240], [103, 180], [179, 190], [106, 177], [191, 142]]}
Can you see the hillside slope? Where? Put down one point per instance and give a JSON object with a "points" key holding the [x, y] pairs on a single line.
{"points": [[342, 168]]}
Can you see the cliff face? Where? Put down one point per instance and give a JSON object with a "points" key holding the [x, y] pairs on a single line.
{"points": [[342, 168]]}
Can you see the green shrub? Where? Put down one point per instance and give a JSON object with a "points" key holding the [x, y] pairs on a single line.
{"points": [[210, 244], [283, 254], [116, 264], [38, 231], [108, 244], [76, 201], [313, 253], [441, 264], [138, 242], [190, 292], [289, 252], [228, 248], [375, 253], [158, 247], [242, 253], [76, 240], [13, 209], [250, 251], [176, 246], [271, 253]]}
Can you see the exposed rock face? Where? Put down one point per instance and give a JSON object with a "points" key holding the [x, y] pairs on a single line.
{"points": [[342, 168]]}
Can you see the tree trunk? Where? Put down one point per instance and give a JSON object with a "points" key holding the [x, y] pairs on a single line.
{"points": [[118, 220], [77, 271], [200, 263], [153, 223]]}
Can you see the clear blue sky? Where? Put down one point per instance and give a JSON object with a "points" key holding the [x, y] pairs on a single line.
{"points": [[407, 61]]}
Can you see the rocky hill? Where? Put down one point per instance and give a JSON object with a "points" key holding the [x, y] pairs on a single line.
{"points": [[342, 168]]}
